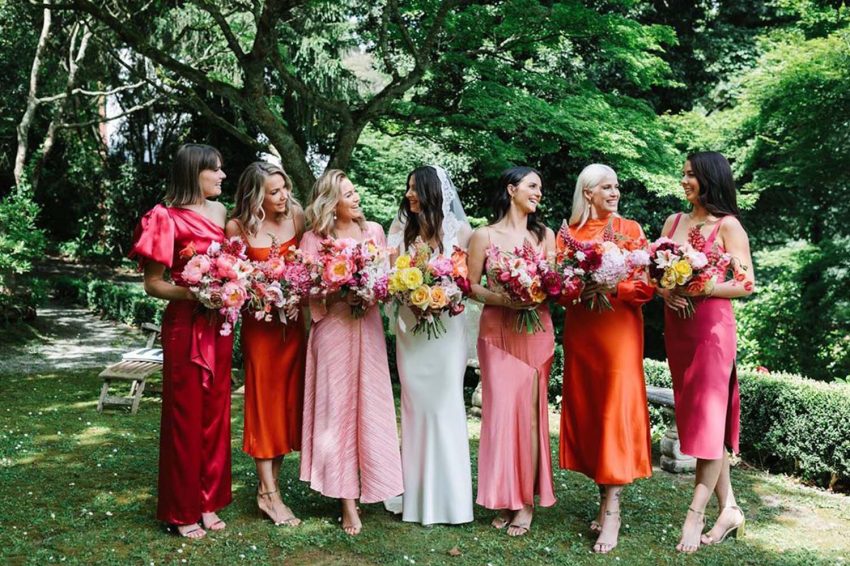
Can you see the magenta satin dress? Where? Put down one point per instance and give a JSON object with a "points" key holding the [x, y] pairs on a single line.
{"points": [[701, 354], [194, 437], [349, 440], [510, 362]]}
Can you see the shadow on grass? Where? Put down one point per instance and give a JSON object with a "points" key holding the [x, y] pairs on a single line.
{"points": [[80, 486]]}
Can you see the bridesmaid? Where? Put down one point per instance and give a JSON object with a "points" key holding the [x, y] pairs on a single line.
{"points": [[274, 354], [701, 350], [514, 462], [435, 441], [604, 417], [194, 441], [349, 440]]}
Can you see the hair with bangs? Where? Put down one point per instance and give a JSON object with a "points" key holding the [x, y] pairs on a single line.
{"points": [[324, 197], [589, 177], [251, 192], [192, 158]]}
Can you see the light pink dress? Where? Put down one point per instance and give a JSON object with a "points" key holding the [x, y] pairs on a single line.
{"points": [[701, 354], [349, 442], [510, 363]]}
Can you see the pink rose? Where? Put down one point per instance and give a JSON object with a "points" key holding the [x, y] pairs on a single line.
{"points": [[339, 270], [225, 265], [196, 268], [233, 295], [441, 266]]}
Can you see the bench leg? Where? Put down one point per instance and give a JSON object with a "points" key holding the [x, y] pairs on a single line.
{"points": [[138, 390], [104, 391], [672, 459]]}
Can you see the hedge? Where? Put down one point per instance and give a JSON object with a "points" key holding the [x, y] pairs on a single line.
{"points": [[124, 302], [789, 424]]}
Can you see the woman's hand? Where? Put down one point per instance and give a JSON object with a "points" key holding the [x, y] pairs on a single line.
{"points": [[353, 299], [594, 289], [672, 299]]}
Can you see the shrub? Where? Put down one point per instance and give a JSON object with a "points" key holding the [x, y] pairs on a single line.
{"points": [[124, 302], [788, 423]]}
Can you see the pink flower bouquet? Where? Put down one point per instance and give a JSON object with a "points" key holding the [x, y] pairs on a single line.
{"points": [[349, 267], [279, 284]]}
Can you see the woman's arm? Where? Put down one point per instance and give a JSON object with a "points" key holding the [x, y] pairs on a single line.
{"points": [[157, 286], [737, 245], [475, 261]]}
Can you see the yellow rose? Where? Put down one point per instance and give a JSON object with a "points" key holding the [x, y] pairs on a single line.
{"points": [[421, 297], [537, 293], [395, 285], [439, 299], [411, 277], [402, 262], [668, 280], [682, 271]]}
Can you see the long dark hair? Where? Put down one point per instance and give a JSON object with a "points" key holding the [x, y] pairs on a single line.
{"points": [[501, 203], [191, 159], [716, 183], [428, 222]]}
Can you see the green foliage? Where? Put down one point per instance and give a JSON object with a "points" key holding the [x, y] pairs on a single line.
{"points": [[20, 241], [125, 303], [788, 423]]}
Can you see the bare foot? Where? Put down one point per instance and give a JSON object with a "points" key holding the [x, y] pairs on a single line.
{"points": [[730, 521], [351, 518], [212, 522], [270, 503], [501, 520], [193, 531], [691, 531], [609, 534], [521, 522]]}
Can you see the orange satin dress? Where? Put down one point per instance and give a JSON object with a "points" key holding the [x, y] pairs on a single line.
{"points": [[604, 417], [274, 356]]}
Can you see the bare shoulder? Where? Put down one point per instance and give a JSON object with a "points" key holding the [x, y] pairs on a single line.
{"points": [[374, 227], [669, 222], [732, 226], [479, 237], [232, 228]]}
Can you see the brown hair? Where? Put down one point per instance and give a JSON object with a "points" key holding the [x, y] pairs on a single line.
{"points": [[190, 160], [250, 193]]}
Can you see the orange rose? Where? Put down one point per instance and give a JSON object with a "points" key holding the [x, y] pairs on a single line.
{"points": [[459, 267]]}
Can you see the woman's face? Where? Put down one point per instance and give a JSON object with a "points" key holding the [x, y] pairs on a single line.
{"points": [[348, 205], [210, 181], [604, 197], [412, 197], [690, 183], [526, 194], [276, 196]]}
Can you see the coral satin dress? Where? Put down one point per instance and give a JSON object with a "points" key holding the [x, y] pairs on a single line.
{"points": [[194, 442], [604, 417], [701, 354], [274, 355]]}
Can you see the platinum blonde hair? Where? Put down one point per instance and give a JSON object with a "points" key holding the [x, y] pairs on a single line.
{"points": [[589, 177], [321, 212], [251, 192]]}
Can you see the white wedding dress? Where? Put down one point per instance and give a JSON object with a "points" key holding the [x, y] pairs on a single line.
{"points": [[434, 438]]}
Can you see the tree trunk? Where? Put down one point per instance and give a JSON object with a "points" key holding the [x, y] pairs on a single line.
{"points": [[32, 99]]}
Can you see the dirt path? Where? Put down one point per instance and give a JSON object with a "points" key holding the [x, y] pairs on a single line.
{"points": [[64, 337]]}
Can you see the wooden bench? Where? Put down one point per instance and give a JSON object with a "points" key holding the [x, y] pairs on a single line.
{"points": [[672, 459], [147, 362]]}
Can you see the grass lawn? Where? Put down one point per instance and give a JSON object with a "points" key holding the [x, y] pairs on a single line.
{"points": [[79, 487]]}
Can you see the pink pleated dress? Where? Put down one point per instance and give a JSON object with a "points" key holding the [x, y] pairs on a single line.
{"points": [[349, 440], [510, 363], [701, 354]]}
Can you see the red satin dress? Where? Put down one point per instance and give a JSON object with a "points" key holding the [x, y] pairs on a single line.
{"points": [[274, 355], [604, 418], [194, 443]]}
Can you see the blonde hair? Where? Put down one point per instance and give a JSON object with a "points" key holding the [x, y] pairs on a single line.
{"points": [[321, 212], [251, 191], [589, 177]]}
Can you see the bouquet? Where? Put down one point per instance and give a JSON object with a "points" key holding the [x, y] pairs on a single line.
{"points": [[683, 267], [349, 267], [219, 278], [280, 284], [605, 263], [526, 277], [430, 286]]}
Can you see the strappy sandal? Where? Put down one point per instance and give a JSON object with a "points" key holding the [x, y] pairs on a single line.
{"points": [[524, 527], [681, 547], [501, 520], [292, 521], [605, 547], [186, 534], [215, 527], [736, 530]]}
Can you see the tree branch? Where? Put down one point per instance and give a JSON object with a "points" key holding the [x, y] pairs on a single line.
{"points": [[80, 90], [229, 36], [104, 119]]}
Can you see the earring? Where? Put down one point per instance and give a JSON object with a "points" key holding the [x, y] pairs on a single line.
{"points": [[334, 216]]}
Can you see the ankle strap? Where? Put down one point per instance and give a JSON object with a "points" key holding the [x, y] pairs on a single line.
{"points": [[695, 511], [266, 494]]}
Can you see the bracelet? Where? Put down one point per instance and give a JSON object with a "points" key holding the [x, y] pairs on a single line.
{"points": [[709, 288]]}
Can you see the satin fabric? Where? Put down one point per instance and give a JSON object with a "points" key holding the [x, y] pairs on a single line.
{"points": [[604, 417], [510, 363], [194, 449], [274, 357], [349, 441], [701, 353]]}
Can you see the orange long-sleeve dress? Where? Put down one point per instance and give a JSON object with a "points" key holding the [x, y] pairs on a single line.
{"points": [[274, 357], [604, 417]]}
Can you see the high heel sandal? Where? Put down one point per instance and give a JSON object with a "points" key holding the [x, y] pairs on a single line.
{"points": [[736, 530], [681, 547], [605, 547], [290, 522]]}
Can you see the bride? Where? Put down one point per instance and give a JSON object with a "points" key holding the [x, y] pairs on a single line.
{"points": [[435, 445]]}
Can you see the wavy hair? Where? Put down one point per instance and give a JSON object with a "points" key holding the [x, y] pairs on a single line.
{"points": [[429, 191], [251, 192], [589, 177], [716, 183], [501, 202], [191, 158], [325, 195]]}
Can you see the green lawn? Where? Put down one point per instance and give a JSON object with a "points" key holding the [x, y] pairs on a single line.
{"points": [[79, 487]]}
